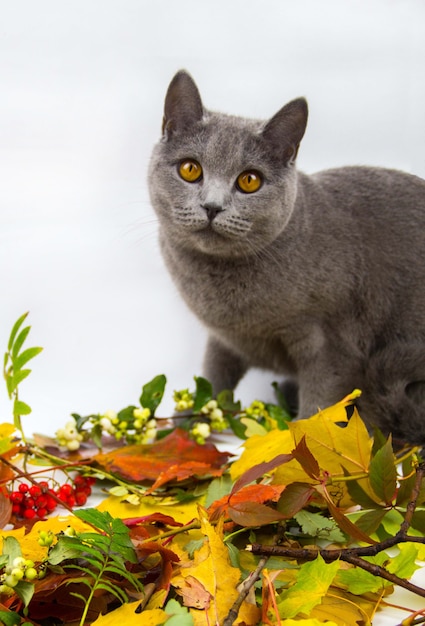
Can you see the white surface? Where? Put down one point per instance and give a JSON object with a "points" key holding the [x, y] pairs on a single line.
{"points": [[82, 88]]}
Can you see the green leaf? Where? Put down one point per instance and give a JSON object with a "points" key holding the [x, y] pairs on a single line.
{"points": [[226, 402], [203, 393], [371, 521], [179, 615], [101, 520], [358, 581], [237, 426], [279, 414], [19, 341], [19, 376], [152, 393], [21, 408], [64, 550], [15, 329], [358, 494], [313, 582], [9, 618], [404, 564], [24, 357], [383, 473], [116, 591], [218, 488], [25, 591], [320, 527], [11, 548]]}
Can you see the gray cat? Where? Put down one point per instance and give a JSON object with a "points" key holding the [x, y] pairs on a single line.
{"points": [[319, 278]]}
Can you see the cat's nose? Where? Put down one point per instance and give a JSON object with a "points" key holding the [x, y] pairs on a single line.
{"points": [[212, 208]]}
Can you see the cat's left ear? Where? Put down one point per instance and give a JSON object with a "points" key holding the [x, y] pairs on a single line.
{"points": [[183, 104], [286, 129]]}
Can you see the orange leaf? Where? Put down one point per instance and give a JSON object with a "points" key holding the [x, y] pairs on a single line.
{"points": [[176, 454], [251, 493]]}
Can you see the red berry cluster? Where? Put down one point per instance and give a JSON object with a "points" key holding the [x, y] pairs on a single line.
{"points": [[37, 500]]}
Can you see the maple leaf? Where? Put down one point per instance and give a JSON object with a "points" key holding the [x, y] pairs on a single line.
{"points": [[213, 571], [313, 582], [175, 457], [322, 448]]}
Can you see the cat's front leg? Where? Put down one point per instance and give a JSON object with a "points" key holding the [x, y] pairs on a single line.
{"points": [[222, 366], [323, 383]]}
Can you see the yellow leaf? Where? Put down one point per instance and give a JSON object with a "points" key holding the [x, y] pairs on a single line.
{"points": [[31, 549], [183, 513], [212, 569], [126, 614], [306, 622], [334, 448], [6, 432]]}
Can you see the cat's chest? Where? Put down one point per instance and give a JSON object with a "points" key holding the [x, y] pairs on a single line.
{"points": [[231, 297]]}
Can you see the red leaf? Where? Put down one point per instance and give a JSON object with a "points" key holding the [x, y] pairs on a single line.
{"points": [[251, 514], [175, 456], [251, 493], [294, 498], [306, 459], [259, 470], [153, 518]]}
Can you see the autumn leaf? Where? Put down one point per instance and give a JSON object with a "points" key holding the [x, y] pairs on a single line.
{"points": [[175, 457], [249, 494], [313, 582], [212, 568], [129, 613], [180, 512]]}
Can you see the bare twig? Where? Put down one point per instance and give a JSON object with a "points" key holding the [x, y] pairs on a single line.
{"points": [[247, 584]]}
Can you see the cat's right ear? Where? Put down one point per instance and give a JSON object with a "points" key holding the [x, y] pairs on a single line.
{"points": [[183, 105]]}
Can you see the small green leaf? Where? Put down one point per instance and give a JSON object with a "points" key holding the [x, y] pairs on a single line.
{"points": [[226, 402], [11, 548], [218, 488], [237, 427], [320, 527], [9, 618], [15, 329], [279, 415], [21, 408], [25, 591], [25, 356], [383, 473], [153, 392], [19, 341], [370, 522], [203, 393], [19, 376]]}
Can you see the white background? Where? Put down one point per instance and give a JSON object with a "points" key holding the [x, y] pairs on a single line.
{"points": [[82, 85]]}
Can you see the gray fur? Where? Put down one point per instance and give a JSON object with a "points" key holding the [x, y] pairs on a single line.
{"points": [[319, 278]]}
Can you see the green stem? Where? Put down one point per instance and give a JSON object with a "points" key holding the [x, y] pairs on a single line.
{"points": [[92, 591]]}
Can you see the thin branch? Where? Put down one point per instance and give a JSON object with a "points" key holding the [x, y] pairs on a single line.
{"points": [[247, 584]]}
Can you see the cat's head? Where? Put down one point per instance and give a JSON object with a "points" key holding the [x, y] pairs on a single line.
{"points": [[223, 185]]}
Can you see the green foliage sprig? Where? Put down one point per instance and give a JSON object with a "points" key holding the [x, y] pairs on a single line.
{"points": [[14, 372], [99, 556]]}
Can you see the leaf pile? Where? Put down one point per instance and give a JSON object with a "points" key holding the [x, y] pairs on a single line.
{"points": [[300, 529]]}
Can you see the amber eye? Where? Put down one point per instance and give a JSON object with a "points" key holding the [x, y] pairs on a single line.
{"points": [[248, 182], [190, 171]]}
